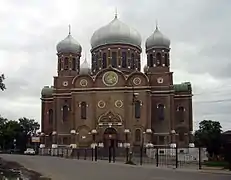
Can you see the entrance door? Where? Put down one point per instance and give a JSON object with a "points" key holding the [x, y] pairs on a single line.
{"points": [[110, 137]]}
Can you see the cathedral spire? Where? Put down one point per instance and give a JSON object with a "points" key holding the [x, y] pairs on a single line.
{"points": [[116, 14], [69, 29], [156, 24]]}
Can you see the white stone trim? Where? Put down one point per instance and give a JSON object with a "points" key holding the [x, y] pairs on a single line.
{"points": [[73, 145], [148, 131], [54, 146], [42, 146], [172, 145], [191, 145], [73, 131]]}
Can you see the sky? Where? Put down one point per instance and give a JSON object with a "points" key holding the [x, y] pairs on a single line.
{"points": [[199, 31]]}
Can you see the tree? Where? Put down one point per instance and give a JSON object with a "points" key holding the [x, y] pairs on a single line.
{"points": [[16, 134], [209, 136], [2, 85]]}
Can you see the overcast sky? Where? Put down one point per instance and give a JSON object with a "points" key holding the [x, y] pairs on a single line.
{"points": [[200, 46]]}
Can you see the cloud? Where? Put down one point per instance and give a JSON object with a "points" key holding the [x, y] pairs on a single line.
{"points": [[200, 46]]}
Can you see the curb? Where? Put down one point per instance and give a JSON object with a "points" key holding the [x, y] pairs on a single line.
{"points": [[215, 172]]}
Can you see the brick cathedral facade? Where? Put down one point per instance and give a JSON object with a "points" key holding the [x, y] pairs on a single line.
{"points": [[114, 100]]}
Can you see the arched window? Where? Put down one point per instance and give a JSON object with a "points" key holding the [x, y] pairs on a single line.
{"points": [[160, 109], [137, 109], [104, 60], [124, 59], [73, 64], [132, 61], [151, 60], [114, 59], [66, 63], [65, 113], [158, 59], [181, 111], [83, 110], [137, 135], [50, 112], [166, 62]]}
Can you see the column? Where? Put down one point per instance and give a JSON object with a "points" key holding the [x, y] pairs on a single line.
{"points": [[191, 140], [54, 139], [42, 140], [173, 139]]}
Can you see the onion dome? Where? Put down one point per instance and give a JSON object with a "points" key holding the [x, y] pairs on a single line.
{"points": [[69, 45], [47, 91], [145, 68], [157, 39], [85, 68], [116, 32]]}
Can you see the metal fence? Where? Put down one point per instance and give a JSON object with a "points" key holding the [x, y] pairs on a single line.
{"points": [[157, 156]]}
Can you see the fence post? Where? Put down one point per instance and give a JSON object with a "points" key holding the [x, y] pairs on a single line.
{"points": [[96, 151], [109, 154], [85, 153], [127, 154], [176, 156], [113, 153], [77, 153], [157, 156], [141, 154], [92, 154], [199, 157]]}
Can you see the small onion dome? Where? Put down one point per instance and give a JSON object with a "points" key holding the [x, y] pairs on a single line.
{"points": [[47, 91], [69, 45], [116, 32], [85, 68], [157, 39], [145, 68]]}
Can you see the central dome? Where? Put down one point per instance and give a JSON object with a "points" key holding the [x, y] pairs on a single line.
{"points": [[116, 32]]}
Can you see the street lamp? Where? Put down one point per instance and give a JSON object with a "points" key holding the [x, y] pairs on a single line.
{"points": [[126, 144], [73, 144], [94, 132]]}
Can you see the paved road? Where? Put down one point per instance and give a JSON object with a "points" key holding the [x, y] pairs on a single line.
{"points": [[68, 169]]}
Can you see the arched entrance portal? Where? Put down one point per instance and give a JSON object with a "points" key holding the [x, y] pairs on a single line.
{"points": [[110, 137]]}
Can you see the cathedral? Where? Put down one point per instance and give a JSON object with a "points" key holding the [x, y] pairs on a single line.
{"points": [[114, 102]]}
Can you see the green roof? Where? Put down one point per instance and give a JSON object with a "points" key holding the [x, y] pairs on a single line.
{"points": [[183, 87]]}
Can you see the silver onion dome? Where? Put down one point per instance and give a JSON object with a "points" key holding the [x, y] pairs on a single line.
{"points": [[116, 32], [69, 45], [85, 68], [157, 39]]}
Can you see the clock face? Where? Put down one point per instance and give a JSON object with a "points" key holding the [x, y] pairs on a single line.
{"points": [[110, 78]]}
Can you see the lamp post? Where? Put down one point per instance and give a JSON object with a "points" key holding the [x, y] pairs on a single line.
{"points": [[94, 132], [126, 144], [73, 143]]}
